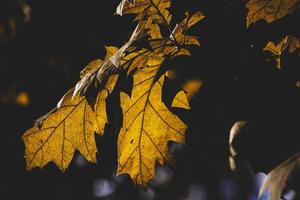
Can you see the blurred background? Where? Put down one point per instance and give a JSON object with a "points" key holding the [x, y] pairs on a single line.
{"points": [[44, 45]]}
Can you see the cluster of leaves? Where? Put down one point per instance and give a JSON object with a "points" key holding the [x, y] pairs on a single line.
{"points": [[148, 124], [284, 176], [270, 11]]}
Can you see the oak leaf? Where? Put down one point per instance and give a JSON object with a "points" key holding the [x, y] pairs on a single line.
{"points": [[71, 125], [69, 128], [148, 126], [269, 10]]}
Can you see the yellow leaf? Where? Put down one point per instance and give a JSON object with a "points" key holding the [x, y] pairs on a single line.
{"points": [[180, 30], [288, 43], [276, 49], [88, 75], [188, 22], [110, 51], [135, 60], [181, 101], [269, 10], [65, 130], [181, 52], [154, 31], [148, 126], [155, 9], [91, 67]]}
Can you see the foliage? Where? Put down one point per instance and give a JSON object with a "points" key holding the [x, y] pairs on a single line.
{"points": [[148, 123], [269, 10]]}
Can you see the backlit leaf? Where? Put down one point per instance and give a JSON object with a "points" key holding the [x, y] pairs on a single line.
{"points": [[288, 43], [148, 126], [70, 126], [181, 101], [180, 30], [156, 10], [92, 66], [65, 130], [269, 10]]}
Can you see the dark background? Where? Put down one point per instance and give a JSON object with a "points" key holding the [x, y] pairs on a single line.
{"points": [[44, 57]]}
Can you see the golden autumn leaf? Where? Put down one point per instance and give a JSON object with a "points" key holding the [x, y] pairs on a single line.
{"points": [[96, 64], [180, 30], [280, 179], [156, 10], [135, 60], [288, 43], [176, 44], [69, 128], [71, 125], [148, 126], [92, 66], [269, 10], [190, 87], [181, 101]]}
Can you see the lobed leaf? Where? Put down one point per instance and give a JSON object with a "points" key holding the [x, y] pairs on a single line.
{"points": [[67, 129], [148, 126]]}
